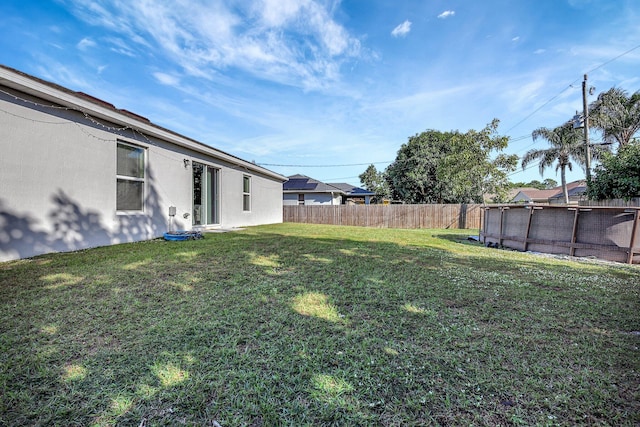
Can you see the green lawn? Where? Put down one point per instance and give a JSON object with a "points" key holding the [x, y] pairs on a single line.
{"points": [[299, 325]]}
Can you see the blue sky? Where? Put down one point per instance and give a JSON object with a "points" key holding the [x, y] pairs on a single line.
{"points": [[323, 84]]}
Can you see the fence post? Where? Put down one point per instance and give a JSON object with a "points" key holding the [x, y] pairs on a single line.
{"points": [[526, 236], [572, 248], [502, 210], [480, 222], [484, 224], [634, 231], [462, 221]]}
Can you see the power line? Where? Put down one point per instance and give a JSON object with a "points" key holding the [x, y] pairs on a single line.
{"points": [[613, 59], [541, 107], [515, 172], [337, 179], [515, 139], [519, 138], [571, 86], [324, 166]]}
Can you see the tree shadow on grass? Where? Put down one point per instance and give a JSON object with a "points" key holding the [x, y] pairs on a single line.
{"points": [[267, 329]]}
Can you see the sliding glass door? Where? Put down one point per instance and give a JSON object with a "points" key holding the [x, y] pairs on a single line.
{"points": [[206, 202]]}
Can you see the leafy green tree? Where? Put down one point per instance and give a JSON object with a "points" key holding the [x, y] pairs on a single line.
{"points": [[450, 167], [544, 185], [412, 177], [535, 184], [618, 175], [518, 184], [476, 166], [375, 182], [617, 115], [566, 145]]}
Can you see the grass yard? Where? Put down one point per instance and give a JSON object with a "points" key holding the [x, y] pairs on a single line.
{"points": [[299, 325]]}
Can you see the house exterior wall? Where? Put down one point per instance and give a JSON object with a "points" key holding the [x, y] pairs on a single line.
{"points": [[266, 199], [58, 182], [322, 199], [312, 199], [290, 199]]}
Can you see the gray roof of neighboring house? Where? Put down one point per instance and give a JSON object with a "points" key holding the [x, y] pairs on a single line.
{"points": [[305, 184], [574, 188], [511, 194], [352, 190], [575, 191], [533, 194]]}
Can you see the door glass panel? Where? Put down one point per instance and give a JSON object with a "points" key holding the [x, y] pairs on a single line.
{"points": [[205, 195], [198, 212], [212, 196]]}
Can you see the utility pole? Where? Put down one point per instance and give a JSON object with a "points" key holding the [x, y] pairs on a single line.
{"points": [[585, 113]]}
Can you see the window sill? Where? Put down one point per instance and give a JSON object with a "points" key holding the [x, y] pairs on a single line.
{"points": [[130, 213]]}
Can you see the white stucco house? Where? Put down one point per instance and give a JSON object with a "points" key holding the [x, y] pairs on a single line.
{"points": [[77, 172]]}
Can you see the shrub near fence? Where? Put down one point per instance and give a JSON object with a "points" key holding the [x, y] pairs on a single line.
{"points": [[388, 216], [610, 233]]}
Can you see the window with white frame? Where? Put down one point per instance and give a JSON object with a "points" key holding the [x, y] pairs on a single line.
{"points": [[246, 193], [130, 177]]}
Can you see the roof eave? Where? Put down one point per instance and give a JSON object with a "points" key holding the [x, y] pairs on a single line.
{"points": [[313, 191], [65, 97]]}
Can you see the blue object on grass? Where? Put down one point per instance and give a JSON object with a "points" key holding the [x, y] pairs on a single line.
{"points": [[183, 235]]}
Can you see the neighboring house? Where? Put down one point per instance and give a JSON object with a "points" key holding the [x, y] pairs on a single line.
{"points": [[576, 191], [511, 193], [533, 195], [353, 195], [76, 172], [302, 190]]}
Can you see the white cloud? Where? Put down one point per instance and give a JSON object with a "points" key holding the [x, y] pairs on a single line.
{"points": [[402, 29], [70, 77], [446, 14], [539, 51], [120, 46], [85, 43], [292, 42], [276, 13], [166, 79], [421, 100], [519, 97], [515, 39]]}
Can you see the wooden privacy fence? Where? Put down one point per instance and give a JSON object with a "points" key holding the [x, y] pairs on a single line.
{"points": [[612, 202], [610, 233], [388, 216]]}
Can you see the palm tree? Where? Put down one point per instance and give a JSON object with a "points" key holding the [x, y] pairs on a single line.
{"points": [[617, 115], [566, 145]]}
